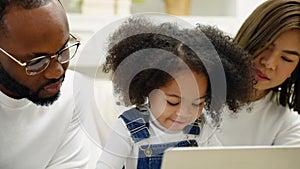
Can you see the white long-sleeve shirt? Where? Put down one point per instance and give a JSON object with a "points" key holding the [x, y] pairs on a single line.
{"points": [[265, 123], [40, 137]]}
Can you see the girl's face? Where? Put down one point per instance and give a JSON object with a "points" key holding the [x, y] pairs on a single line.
{"points": [[278, 61], [180, 101]]}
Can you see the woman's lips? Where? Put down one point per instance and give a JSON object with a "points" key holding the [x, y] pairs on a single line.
{"points": [[260, 75]]}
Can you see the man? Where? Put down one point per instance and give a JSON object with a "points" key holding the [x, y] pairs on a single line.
{"points": [[39, 118]]}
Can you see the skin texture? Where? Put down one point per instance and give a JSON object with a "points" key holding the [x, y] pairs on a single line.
{"points": [[275, 64], [28, 37], [176, 105]]}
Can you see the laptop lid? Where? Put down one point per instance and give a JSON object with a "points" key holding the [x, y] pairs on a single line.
{"points": [[271, 157]]}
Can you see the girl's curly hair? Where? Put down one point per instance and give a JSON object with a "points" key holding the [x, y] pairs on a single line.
{"points": [[143, 56]]}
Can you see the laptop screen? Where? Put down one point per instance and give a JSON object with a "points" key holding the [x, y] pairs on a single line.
{"points": [[255, 157]]}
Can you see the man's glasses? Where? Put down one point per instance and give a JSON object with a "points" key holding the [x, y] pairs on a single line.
{"points": [[39, 64]]}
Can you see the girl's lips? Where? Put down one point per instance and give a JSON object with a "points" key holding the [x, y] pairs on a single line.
{"points": [[178, 122], [260, 75], [53, 88]]}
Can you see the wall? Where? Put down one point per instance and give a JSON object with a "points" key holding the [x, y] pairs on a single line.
{"points": [[198, 7]]}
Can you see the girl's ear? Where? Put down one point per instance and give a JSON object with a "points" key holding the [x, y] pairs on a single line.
{"points": [[147, 102]]}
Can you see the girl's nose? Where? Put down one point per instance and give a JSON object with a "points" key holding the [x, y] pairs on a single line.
{"points": [[185, 111]]}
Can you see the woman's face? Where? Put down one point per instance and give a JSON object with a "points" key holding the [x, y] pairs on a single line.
{"points": [[180, 101], [275, 64]]}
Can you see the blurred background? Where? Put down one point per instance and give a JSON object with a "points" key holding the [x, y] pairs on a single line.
{"points": [[88, 16]]}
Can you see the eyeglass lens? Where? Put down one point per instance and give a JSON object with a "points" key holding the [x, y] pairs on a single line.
{"points": [[39, 64]]}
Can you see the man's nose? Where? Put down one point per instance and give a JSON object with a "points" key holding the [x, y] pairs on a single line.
{"points": [[55, 70]]}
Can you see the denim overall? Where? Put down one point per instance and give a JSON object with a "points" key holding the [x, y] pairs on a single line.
{"points": [[150, 155]]}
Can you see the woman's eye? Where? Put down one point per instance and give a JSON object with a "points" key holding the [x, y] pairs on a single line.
{"points": [[173, 104], [286, 59]]}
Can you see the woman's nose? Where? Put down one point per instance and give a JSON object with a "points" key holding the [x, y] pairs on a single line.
{"points": [[269, 62]]}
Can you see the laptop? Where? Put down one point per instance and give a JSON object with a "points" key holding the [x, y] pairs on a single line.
{"points": [[256, 157]]}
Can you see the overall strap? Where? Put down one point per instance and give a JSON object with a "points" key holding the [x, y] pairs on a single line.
{"points": [[137, 122], [193, 128]]}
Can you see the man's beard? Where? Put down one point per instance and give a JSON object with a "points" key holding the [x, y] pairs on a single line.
{"points": [[24, 92]]}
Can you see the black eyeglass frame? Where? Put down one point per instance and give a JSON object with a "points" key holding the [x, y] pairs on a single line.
{"points": [[56, 55]]}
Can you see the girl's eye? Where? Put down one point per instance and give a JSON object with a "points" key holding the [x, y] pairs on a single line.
{"points": [[286, 59], [173, 104], [198, 105]]}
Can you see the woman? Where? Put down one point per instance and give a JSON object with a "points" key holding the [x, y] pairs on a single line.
{"points": [[272, 35]]}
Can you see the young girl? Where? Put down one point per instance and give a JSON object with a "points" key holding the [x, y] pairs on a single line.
{"points": [[272, 35], [168, 75]]}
